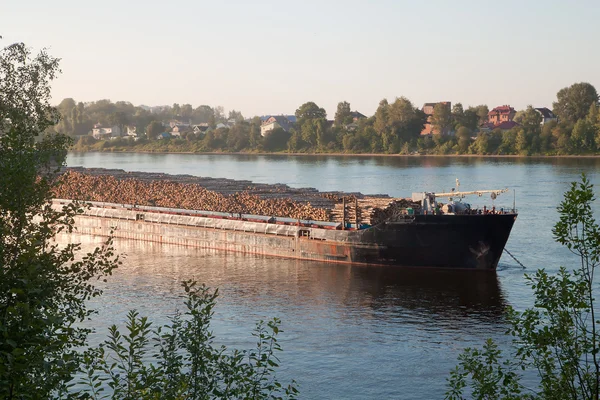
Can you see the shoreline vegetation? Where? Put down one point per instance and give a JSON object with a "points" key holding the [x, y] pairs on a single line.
{"points": [[572, 128], [264, 153]]}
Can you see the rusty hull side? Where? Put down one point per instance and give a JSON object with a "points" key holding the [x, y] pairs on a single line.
{"points": [[470, 241]]}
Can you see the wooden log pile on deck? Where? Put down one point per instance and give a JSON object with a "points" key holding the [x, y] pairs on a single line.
{"points": [[225, 195]]}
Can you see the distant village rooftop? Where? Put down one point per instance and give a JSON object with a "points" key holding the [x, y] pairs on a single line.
{"points": [[284, 122]]}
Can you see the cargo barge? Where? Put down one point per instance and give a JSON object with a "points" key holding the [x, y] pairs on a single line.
{"points": [[451, 235]]}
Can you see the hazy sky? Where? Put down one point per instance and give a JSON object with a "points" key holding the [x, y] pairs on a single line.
{"points": [[268, 57]]}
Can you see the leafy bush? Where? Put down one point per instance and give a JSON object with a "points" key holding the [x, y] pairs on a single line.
{"points": [[185, 362]]}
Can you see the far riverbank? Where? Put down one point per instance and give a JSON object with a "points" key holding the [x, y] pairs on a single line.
{"points": [[263, 153]]}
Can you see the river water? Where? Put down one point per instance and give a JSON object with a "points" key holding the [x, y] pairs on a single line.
{"points": [[350, 332]]}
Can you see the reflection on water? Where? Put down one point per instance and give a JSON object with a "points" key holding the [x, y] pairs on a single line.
{"points": [[337, 319], [446, 294]]}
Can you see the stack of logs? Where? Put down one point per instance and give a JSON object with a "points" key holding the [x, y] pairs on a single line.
{"points": [[371, 210], [226, 195]]}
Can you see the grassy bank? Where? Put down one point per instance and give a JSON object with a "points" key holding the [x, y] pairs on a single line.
{"points": [[181, 146]]}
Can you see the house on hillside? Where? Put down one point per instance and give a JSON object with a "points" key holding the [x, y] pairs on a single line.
{"points": [[200, 128], [291, 118], [276, 121], [356, 116], [101, 133], [180, 122], [428, 109], [351, 126], [547, 115], [501, 118], [179, 130], [501, 114]]}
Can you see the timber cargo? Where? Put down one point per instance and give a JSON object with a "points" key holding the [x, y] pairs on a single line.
{"points": [[300, 223]]}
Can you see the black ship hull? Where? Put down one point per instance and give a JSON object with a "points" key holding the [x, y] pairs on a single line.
{"points": [[448, 241]]}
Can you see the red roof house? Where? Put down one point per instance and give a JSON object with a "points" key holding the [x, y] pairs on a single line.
{"points": [[501, 114]]}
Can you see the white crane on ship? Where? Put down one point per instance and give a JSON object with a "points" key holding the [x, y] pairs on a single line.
{"points": [[429, 203], [479, 193]]}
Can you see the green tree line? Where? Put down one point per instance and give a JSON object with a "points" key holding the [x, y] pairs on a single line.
{"points": [[78, 118], [395, 128]]}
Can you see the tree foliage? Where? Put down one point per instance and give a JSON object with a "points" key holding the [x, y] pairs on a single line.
{"points": [[583, 136], [309, 111], [442, 118], [470, 119], [235, 116], [43, 287], [276, 140], [463, 135], [557, 338], [154, 129], [482, 113], [530, 120], [185, 362], [343, 114], [573, 102]]}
